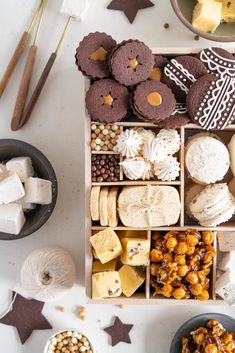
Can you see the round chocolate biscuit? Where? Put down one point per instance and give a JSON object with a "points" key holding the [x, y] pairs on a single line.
{"points": [[131, 63], [93, 53], [153, 101], [211, 101], [159, 64], [107, 101], [218, 61], [180, 73], [174, 121]]}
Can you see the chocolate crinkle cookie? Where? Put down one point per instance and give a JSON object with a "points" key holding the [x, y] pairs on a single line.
{"points": [[92, 55], [131, 62], [107, 101], [153, 101]]}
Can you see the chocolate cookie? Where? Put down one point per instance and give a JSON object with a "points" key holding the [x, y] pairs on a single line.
{"points": [[218, 61], [131, 62], [107, 101], [180, 73], [153, 101], [159, 64], [211, 101], [93, 53], [177, 119]]}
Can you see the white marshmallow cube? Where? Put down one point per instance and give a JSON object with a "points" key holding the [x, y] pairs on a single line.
{"points": [[22, 166], [226, 241], [227, 261], [27, 206], [225, 287], [75, 8], [11, 189], [3, 172], [38, 191], [12, 218]]}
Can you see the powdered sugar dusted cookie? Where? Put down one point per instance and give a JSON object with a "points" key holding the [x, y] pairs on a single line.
{"points": [[180, 73], [218, 61], [211, 101]]}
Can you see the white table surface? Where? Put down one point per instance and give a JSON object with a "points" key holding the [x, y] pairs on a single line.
{"points": [[56, 128]]}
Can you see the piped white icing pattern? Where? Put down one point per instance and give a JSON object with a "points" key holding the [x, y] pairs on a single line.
{"points": [[167, 170], [134, 168], [155, 150], [217, 109], [180, 108], [177, 73], [170, 139], [216, 63], [128, 143]]}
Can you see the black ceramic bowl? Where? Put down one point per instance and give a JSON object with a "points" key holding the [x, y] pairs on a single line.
{"points": [[10, 148], [197, 321]]}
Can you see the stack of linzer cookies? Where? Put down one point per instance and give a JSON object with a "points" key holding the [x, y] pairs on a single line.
{"points": [[140, 104]]}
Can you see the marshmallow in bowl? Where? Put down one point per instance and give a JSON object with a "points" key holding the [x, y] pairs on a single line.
{"points": [[22, 166], [12, 218], [38, 191], [11, 189]]}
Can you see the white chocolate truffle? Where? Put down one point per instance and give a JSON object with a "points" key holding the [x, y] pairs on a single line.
{"points": [[128, 143], [171, 139], [206, 159], [168, 169]]}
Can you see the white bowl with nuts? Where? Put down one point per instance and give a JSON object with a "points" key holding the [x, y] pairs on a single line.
{"points": [[69, 341]]}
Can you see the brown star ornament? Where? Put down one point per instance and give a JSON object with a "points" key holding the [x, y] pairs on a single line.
{"points": [[119, 332], [130, 7], [26, 315]]}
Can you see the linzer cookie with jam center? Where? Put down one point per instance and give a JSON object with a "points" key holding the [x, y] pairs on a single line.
{"points": [[218, 61], [180, 73], [107, 101], [153, 101], [158, 68], [211, 102], [131, 62], [93, 53]]}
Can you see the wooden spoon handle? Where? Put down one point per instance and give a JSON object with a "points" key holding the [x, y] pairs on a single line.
{"points": [[23, 89], [38, 89], [13, 62]]}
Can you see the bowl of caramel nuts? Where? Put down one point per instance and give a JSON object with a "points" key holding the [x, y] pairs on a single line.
{"points": [[70, 340], [209, 333]]}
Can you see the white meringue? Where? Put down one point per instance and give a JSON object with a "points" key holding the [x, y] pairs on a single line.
{"points": [[148, 171], [133, 168], [171, 139], [128, 143], [154, 150], [168, 169], [146, 135]]}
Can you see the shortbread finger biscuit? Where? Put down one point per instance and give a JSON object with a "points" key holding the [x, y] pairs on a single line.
{"points": [[112, 207], [104, 206], [94, 203], [231, 148]]}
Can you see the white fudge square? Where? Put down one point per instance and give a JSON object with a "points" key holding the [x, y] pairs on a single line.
{"points": [[27, 206], [3, 172], [11, 189], [22, 166], [226, 241], [12, 218], [75, 8], [227, 261], [225, 287], [38, 191]]}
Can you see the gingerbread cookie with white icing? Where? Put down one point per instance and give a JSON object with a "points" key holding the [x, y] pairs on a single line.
{"points": [[211, 101], [218, 61], [180, 73]]}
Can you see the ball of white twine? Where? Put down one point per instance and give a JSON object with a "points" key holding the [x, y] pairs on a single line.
{"points": [[48, 274]]}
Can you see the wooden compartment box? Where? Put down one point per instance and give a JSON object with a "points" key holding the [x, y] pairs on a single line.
{"points": [[144, 294]]}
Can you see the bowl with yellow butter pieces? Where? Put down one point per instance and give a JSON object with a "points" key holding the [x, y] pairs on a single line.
{"points": [[210, 19]]}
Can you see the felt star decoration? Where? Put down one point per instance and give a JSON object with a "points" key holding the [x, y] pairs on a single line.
{"points": [[130, 7], [119, 332], [26, 315]]}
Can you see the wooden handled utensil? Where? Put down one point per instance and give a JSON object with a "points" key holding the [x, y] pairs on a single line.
{"points": [[26, 77], [18, 52], [75, 10]]}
